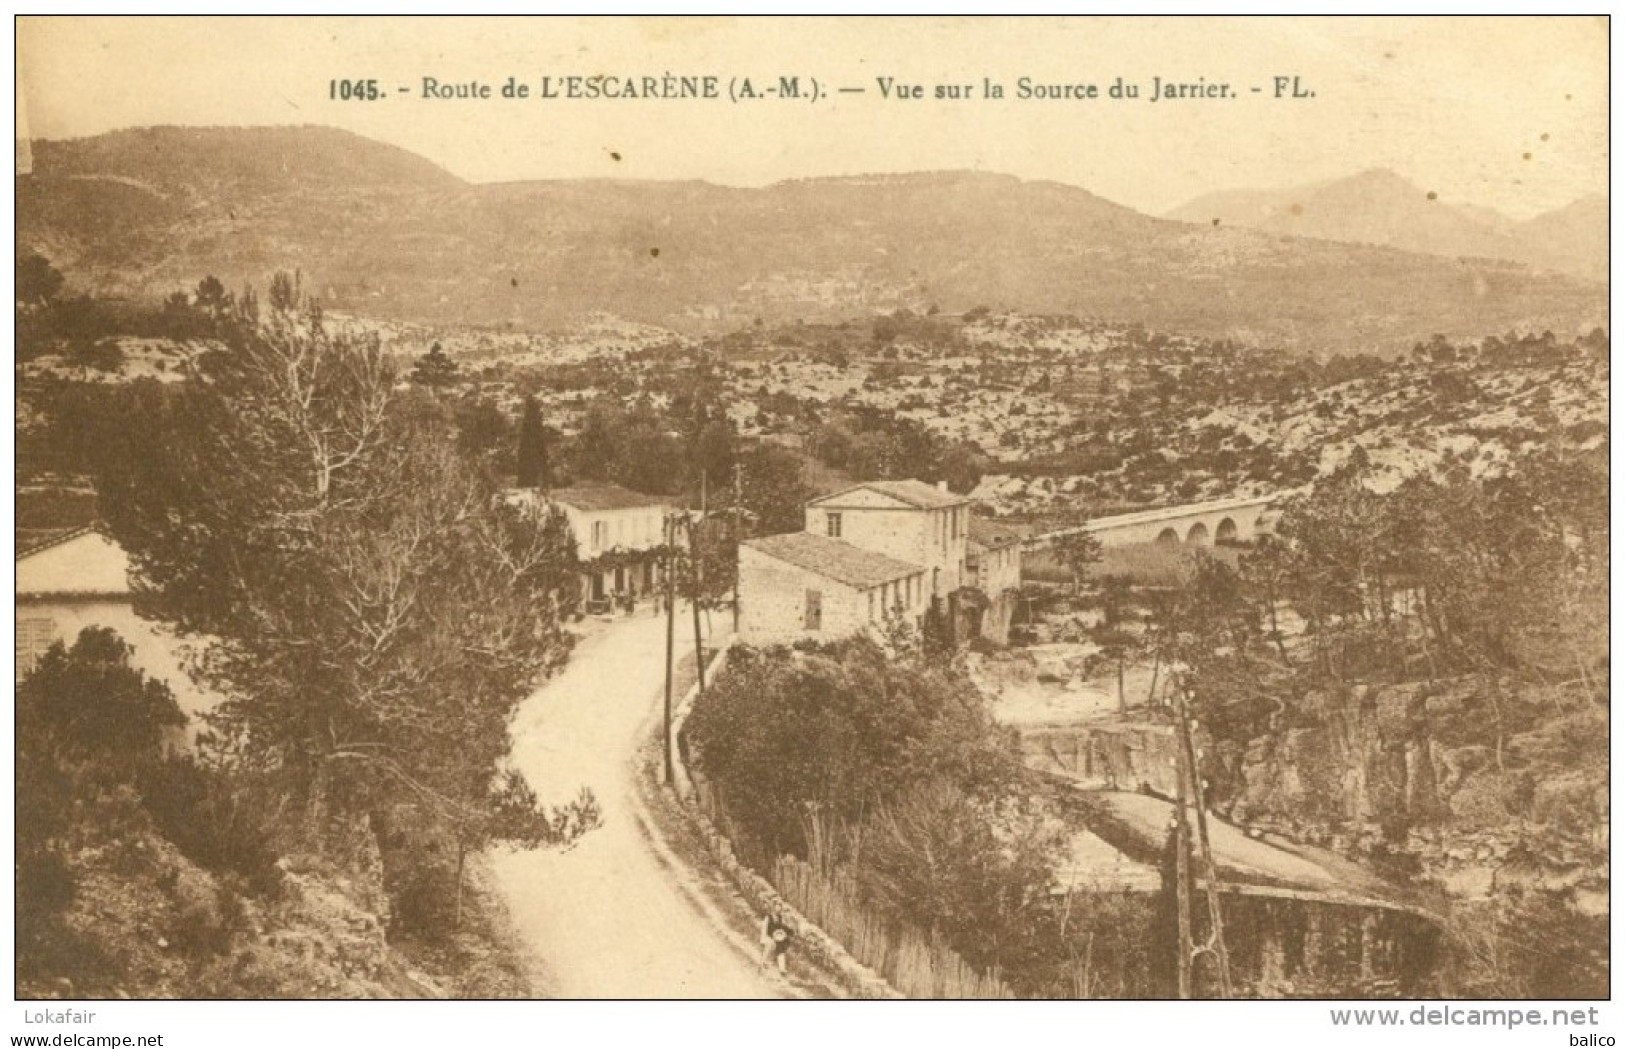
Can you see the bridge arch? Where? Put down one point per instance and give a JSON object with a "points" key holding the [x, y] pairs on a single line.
{"points": [[1198, 535], [1226, 532], [1168, 535]]}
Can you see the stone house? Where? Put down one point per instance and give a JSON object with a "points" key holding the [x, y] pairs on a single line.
{"points": [[800, 585], [865, 552], [993, 566], [909, 520]]}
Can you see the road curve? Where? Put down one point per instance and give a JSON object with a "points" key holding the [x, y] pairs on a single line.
{"points": [[615, 916]]}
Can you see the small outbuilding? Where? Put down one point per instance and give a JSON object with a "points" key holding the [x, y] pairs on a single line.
{"points": [[802, 585]]}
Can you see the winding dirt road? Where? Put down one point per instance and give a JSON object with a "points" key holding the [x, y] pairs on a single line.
{"points": [[617, 915]]}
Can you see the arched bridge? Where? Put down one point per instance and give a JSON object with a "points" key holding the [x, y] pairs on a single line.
{"points": [[1196, 524]]}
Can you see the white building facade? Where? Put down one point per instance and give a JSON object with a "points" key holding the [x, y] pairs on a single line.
{"points": [[619, 534], [875, 549], [909, 520]]}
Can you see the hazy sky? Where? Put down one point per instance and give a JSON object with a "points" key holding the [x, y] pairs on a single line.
{"points": [[1508, 113]]}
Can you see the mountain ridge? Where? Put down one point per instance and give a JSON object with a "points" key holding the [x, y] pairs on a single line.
{"points": [[378, 229], [1379, 206]]}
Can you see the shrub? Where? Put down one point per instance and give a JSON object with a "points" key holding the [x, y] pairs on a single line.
{"points": [[211, 822], [837, 729], [93, 708]]}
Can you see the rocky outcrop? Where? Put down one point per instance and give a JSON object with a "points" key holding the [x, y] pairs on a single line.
{"points": [[1452, 782], [1107, 755]]}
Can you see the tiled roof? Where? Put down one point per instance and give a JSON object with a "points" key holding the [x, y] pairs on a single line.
{"points": [[914, 493], [834, 559], [604, 497], [990, 536]]}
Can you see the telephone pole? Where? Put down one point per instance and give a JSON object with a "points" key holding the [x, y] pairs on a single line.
{"points": [[1215, 943], [739, 531], [669, 534], [1191, 793], [694, 529], [1182, 875]]}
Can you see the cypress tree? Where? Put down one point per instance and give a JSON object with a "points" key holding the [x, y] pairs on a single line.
{"points": [[533, 465]]}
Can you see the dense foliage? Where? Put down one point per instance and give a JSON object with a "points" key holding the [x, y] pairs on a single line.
{"points": [[839, 731], [881, 767], [374, 610]]}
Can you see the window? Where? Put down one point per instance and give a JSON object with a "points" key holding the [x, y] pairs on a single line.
{"points": [[814, 619], [833, 522], [871, 606], [34, 636], [600, 535]]}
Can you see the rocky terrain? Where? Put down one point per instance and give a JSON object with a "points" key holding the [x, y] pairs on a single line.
{"points": [[147, 921], [1057, 415], [1066, 416], [1406, 767]]}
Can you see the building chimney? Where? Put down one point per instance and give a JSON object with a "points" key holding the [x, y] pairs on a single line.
{"points": [[942, 486]]}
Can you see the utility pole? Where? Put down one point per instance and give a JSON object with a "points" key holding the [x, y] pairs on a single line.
{"points": [[1215, 943], [694, 528], [739, 530], [1182, 884], [669, 534]]}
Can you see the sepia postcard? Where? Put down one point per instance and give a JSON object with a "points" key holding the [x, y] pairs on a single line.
{"points": [[1089, 508]]}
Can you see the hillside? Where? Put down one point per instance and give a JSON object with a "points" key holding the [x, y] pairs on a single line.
{"points": [[1380, 208], [381, 232], [1072, 417], [1578, 231]]}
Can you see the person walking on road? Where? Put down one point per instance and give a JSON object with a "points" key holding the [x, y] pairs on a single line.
{"points": [[776, 936]]}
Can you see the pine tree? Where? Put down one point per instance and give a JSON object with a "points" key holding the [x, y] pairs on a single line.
{"points": [[435, 369], [375, 609]]}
